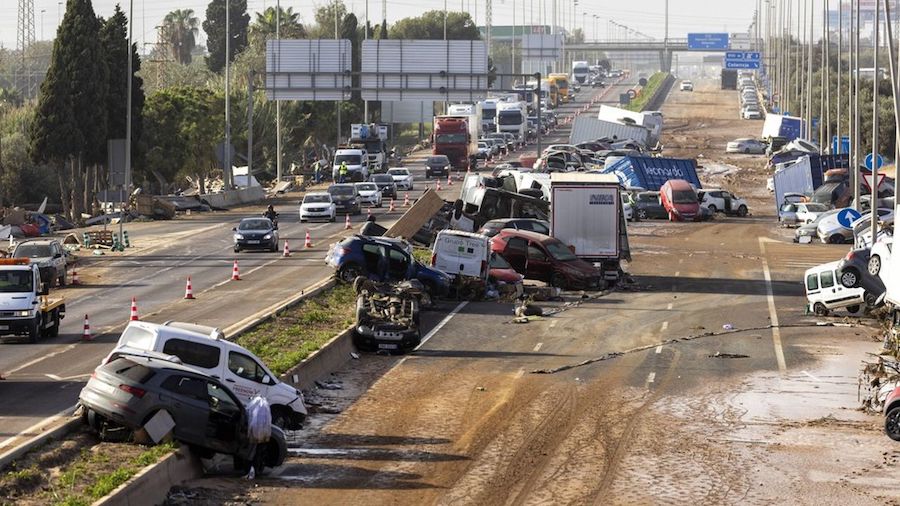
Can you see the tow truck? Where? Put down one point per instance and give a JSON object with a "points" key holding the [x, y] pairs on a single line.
{"points": [[26, 308]]}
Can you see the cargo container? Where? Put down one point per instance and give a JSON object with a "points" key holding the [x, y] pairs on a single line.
{"points": [[650, 173], [586, 129], [787, 127]]}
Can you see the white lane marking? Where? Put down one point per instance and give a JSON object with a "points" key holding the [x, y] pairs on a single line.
{"points": [[520, 373], [36, 428], [811, 376], [680, 260], [659, 349], [651, 377], [441, 324], [41, 358], [665, 325], [669, 307], [773, 314], [537, 347], [317, 451], [53, 377], [677, 273]]}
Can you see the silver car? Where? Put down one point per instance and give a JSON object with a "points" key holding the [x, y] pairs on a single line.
{"points": [[49, 255], [746, 145]]}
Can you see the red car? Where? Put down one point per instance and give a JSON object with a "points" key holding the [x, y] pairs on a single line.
{"points": [[680, 200], [892, 414], [500, 270], [545, 258]]}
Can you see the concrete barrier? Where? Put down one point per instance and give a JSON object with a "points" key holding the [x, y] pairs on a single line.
{"points": [[324, 361], [56, 430], [233, 198], [151, 484]]}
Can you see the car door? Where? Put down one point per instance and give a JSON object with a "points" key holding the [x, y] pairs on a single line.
{"points": [[832, 292], [398, 265], [244, 376], [225, 421], [188, 404], [539, 265], [515, 253]]}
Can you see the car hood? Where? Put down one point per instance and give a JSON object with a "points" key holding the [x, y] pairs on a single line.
{"points": [[308, 205], [16, 301], [341, 198]]}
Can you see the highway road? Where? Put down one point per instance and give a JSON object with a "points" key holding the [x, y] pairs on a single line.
{"points": [[44, 379]]}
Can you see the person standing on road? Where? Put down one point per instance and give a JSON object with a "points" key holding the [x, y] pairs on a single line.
{"points": [[317, 171], [342, 172]]}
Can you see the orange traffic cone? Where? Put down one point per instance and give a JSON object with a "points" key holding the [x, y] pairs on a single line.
{"points": [[369, 214], [406, 199], [287, 250], [347, 223], [188, 290], [308, 242], [235, 273], [86, 335], [391, 208], [449, 180], [75, 277], [437, 185], [134, 314]]}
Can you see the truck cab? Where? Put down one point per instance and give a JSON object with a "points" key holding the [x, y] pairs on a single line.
{"points": [[25, 308], [512, 117]]}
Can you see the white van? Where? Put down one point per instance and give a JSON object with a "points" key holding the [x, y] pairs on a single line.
{"points": [[206, 349], [461, 253], [824, 293], [357, 161]]}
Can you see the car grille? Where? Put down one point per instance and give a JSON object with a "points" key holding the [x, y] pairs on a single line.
{"points": [[317, 209], [7, 314]]}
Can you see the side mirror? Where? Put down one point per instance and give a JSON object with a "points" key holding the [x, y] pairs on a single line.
{"points": [[234, 229], [58, 255], [45, 289]]}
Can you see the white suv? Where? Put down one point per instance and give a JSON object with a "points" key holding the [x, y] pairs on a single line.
{"points": [[721, 201], [687, 86], [205, 349]]}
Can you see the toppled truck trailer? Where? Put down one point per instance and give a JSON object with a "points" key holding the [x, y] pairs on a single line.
{"points": [[586, 129], [651, 173]]}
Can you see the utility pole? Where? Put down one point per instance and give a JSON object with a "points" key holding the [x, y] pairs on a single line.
{"points": [[24, 40], [840, 51], [127, 186], [366, 37], [338, 103], [279, 174], [856, 130], [229, 180], [877, 77]]}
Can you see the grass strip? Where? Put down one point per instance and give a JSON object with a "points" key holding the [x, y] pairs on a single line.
{"points": [[295, 333], [647, 92]]}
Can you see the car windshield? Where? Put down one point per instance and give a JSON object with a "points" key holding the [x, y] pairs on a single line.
{"points": [[382, 178], [341, 190], [684, 197], [16, 281], [348, 159], [258, 224], [317, 199], [33, 251], [438, 160], [816, 208], [367, 187], [498, 262], [559, 251], [398, 172]]}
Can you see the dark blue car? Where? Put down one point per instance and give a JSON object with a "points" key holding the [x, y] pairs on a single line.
{"points": [[383, 259]]}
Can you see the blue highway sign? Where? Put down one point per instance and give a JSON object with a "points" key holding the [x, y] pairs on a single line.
{"points": [[741, 55], [741, 64], [707, 41]]}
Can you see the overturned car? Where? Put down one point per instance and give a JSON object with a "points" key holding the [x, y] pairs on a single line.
{"points": [[387, 314]]}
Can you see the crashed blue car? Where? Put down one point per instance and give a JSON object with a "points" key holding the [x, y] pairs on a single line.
{"points": [[383, 259]]}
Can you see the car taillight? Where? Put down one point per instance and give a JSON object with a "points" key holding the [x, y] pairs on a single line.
{"points": [[343, 251], [433, 260], [850, 255], [135, 391]]}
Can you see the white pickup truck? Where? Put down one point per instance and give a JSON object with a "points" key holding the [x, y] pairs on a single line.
{"points": [[25, 307]]}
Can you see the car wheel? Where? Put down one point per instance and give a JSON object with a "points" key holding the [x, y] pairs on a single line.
{"points": [[332, 218], [836, 239], [746, 151], [349, 272], [280, 417], [237, 249], [557, 280], [742, 211], [34, 331], [874, 265], [642, 214], [713, 209], [62, 279], [274, 247], [820, 309], [853, 309], [892, 423], [54, 330], [871, 300], [849, 278]]}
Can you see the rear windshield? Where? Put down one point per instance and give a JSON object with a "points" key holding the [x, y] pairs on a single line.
{"points": [[816, 208], [438, 159], [131, 370], [382, 178], [196, 354], [33, 251], [341, 190], [684, 197]]}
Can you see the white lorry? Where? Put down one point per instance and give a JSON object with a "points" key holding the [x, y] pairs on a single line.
{"points": [[580, 71], [512, 117], [474, 112], [489, 115], [25, 307], [586, 215]]}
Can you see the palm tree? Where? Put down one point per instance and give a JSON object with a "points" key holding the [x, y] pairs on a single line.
{"points": [[179, 31], [264, 25]]}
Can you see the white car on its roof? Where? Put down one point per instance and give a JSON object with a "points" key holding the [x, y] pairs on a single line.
{"points": [[403, 179]]}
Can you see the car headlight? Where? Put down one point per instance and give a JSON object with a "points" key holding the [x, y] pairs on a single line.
{"points": [[238, 237], [267, 236], [25, 313]]}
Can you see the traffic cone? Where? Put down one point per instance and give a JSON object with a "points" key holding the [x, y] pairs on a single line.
{"points": [[188, 290], [134, 314], [75, 277], [86, 334], [391, 208], [437, 185], [406, 199], [347, 223], [308, 242], [369, 214], [235, 273], [287, 250], [449, 180]]}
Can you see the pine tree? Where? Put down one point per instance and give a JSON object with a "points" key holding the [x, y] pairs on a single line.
{"points": [[214, 26], [114, 36]]}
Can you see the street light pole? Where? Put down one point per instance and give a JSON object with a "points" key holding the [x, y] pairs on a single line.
{"points": [[226, 155], [875, 79], [278, 147], [42, 23], [127, 185]]}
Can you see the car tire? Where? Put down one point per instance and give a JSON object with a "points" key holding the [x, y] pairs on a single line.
{"points": [[853, 309], [54, 330], [849, 278], [331, 219], [746, 151], [349, 272], [820, 309], [836, 239], [892, 423], [34, 331], [274, 247], [642, 214], [237, 249], [62, 279], [713, 209], [742, 211], [874, 266], [557, 280], [281, 418]]}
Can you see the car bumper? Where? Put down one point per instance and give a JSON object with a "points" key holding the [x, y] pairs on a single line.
{"points": [[346, 206], [391, 339], [436, 172], [256, 244], [372, 201], [313, 215], [15, 326]]}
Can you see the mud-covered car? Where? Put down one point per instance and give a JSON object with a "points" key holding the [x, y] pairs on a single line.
{"points": [[387, 314]]}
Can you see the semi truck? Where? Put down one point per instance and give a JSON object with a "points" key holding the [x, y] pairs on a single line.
{"points": [[586, 215], [456, 137], [562, 85], [512, 117], [373, 139], [489, 115], [550, 93], [473, 112], [26, 308], [580, 71]]}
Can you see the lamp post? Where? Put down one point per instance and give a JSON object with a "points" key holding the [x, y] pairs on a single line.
{"points": [[278, 147], [42, 23]]}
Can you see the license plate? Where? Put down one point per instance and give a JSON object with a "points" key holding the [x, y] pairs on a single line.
{"points": [[104, 387], [385, 346], [4, 327], [252, 242]]}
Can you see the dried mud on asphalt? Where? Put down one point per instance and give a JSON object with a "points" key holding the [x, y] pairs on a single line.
{"points": [[713, 420]]}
